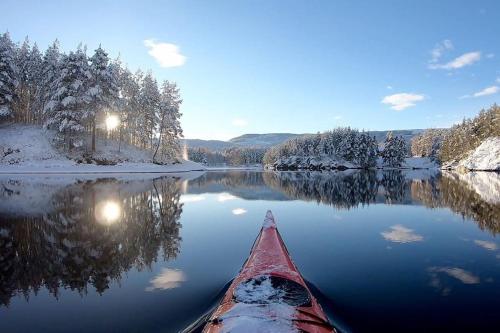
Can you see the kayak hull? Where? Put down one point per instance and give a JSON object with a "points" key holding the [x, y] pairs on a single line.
{"points": [[253, 303]]}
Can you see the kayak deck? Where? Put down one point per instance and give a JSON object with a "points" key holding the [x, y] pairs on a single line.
{"points": [[269, 294]]}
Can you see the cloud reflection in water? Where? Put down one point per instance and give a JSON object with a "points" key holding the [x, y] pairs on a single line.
{"points": [[167, 279], [400, 234]]}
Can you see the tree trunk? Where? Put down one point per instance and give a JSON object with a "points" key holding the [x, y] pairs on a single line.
{"points": [[120, 139], [93, 135], [159, 137]]}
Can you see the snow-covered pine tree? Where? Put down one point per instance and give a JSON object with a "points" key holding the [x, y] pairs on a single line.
{"points": [[67, 106], [129, 105], [102, 90], [35, 83], [395, 150], [8, 76], [169, 127], [366, 156], [50, 72], [150, 102], [21, 108]]}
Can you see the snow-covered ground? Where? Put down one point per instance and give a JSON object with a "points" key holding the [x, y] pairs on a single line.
{"points": [[27, 149], [484, 157], [331, 163]]}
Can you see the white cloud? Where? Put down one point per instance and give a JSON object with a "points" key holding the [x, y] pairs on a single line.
{"points": [[166, 54], [498, 79], [337, 117], [402, 101], [400, 234], [490, 55], [239, 211], [487, 91], [389, 87], [459, 62], [238, 122], [439, 49], [491, 246], [167, 279]]}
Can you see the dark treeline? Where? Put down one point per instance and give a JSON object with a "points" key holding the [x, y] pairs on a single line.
{"points": [[231, 156], [74, 94], [76, 245]]}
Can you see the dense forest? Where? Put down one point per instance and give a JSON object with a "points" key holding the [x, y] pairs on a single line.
{"points": [[340, 144], [76, 95], [230, 156], [454, 144]]}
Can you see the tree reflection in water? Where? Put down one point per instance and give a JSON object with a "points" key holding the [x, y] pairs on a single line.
{"points": [[350, 189], [90, 233], [97, 231]]}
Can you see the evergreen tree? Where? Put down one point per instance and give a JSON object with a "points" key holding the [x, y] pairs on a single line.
{"points": [[150, 102], [23, 78], [35, 84], [8, 76], [50, 72], [71, 100], [103, 89], [169, 126], [395, 150]]}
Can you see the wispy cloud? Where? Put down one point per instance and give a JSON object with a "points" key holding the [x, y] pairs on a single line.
{"points": [[439, 49], [498, 79], [238, 122], [402, 101], [491, 246], [490, 56], [389, 87], [487, 91], [166, 54], [400, 234], [167, 279], [239, 211], [459, 62]]}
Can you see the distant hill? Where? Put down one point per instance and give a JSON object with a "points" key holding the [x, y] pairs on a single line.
{"points": [[270, 139], [262, 140], [214, 145]]}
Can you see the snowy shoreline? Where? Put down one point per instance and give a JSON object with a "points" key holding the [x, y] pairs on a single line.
{"points": [[68, 168]]}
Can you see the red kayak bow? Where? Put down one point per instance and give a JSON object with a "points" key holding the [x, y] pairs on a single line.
{"points": [[269, 294]]}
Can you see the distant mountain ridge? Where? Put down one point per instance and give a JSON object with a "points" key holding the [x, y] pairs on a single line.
{"points": [[267, 140]]}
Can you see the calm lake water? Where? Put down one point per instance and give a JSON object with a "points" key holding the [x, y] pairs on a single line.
{"points": [[386, 251]]}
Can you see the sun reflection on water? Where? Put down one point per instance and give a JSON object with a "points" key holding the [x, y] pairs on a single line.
{"points": [[108, 212]]}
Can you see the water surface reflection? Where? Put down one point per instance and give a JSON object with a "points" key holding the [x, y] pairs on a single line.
{"points": [[392, 245]]}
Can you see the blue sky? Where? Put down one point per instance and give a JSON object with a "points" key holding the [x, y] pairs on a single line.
{"points": [[291, 66]]}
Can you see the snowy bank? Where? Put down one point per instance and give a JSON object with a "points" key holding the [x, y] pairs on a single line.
{"points": [[27, 149], [486, 157], [70, 167], [332, 163]]}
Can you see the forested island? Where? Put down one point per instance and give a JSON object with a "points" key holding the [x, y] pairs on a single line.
{"points": [[473, 144]]}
